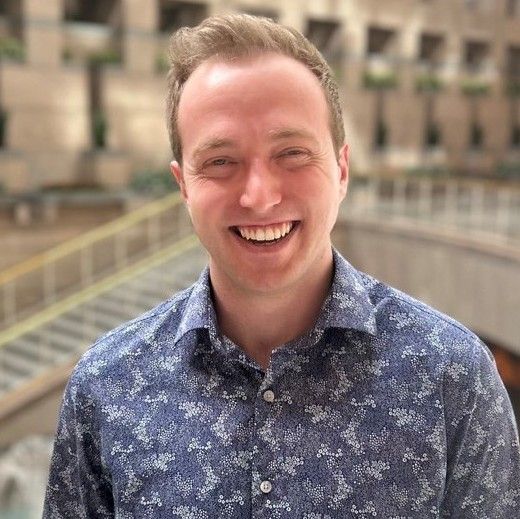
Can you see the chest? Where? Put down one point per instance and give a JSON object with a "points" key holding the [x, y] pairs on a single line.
{"points": [[328, 445]]}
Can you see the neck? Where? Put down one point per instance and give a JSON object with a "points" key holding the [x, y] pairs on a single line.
{"points": [[259, 322]]}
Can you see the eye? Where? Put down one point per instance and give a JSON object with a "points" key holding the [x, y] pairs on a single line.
{"points": [[217, 167], [293, 152], [219, 162], [293, 157]]}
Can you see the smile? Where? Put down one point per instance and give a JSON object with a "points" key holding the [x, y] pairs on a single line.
{"points": [[265, 234]]}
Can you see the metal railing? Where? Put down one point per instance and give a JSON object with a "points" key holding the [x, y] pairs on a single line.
{"points": [[74, 265], [467, 206], [488, 209]]}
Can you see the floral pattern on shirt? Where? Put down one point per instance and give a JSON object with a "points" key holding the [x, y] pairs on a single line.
{"points": [[386, 408]]}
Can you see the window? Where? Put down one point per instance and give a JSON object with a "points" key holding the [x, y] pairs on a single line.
{"points": [[380, 135], [173, 15], [11, 19], [431, 48], [266, 13], [513, 8], [380, 41], [432, 135], [92, 11], [476, 138], [515, 136], [513, 63], [476, 54], [326, 35]]}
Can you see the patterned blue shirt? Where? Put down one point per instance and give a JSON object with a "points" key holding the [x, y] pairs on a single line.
{"points": [[386, 408]]}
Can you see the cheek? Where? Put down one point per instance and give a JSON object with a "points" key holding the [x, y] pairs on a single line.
{"points": [[204, 206]]}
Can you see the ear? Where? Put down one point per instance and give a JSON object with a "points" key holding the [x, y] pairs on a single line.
{"points": [[177, 173], [343, 166]]}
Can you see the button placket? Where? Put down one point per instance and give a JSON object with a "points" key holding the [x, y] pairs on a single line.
{"points": [[263, 487]]}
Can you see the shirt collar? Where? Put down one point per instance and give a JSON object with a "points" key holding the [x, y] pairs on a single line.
{"points": [[347, 306]]}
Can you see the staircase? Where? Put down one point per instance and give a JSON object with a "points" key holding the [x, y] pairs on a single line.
{"points": [[113, 274], [69, 334]]}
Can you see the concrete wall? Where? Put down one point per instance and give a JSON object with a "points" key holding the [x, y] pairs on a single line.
{"points": [[476, 283], [49, 101]]}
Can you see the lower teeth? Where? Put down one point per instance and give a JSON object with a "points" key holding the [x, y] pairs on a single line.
{"points": [[256, 242]]}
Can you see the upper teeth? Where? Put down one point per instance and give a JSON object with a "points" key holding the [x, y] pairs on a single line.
{"points": [[269, 233]]}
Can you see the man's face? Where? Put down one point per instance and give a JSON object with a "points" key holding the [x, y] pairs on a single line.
{"points": [[259, 174]]}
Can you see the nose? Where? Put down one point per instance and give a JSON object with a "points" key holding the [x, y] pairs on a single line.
{"points": [[261, 188]]}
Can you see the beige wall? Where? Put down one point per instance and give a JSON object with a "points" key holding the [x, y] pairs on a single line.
{"points": [[49, 103], [472, 282]]}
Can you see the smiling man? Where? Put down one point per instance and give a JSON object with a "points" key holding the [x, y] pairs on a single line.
{"points": [[263, 183], [284, 383]]}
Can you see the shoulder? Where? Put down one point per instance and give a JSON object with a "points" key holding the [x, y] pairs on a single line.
{"points": [[432, 350], [115, 352], [415, 329]]}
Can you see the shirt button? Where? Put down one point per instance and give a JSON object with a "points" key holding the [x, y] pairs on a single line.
{"points": [[266, 486], [269, 396]]}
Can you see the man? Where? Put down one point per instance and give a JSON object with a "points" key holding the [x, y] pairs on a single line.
{"points": [[284, 383]]}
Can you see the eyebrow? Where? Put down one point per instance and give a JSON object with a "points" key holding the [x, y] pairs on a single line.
{"points": [[212, 144], [287, 133], [277, 134]]}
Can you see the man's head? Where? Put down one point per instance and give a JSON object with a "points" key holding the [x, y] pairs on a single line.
{"points": [[261, 173], [232, 37]]}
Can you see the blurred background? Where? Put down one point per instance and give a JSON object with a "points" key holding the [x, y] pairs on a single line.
{"points": [[92, 231]]}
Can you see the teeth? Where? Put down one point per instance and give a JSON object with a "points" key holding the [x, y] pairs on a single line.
{"points": [[266, 233]]}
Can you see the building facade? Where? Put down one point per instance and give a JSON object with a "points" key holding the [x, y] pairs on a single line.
{"points": [[427, 85]]}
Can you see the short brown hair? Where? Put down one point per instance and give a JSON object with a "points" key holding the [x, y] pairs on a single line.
{"points": [[241, 35]]}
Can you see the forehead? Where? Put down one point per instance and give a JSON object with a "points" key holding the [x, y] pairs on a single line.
{"points": [[251, 94]]}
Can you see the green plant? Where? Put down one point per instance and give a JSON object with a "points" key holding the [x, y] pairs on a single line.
{"points": [[105, 57], [429, 171], [428, 83], [379, 80], [99, 129], [11, 48], [155, 182], [162, 63], [509, 170], [512, 88], [67, 55], [473, 87]]}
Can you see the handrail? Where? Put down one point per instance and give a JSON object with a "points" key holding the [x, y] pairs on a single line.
{"points": [[88, 293], [458, 204], [90, 237], [71, 266], [483, 182]]}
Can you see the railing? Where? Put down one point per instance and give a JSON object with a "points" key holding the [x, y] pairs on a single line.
{"points": [[474, 207], [488, 209], [44, 279]]}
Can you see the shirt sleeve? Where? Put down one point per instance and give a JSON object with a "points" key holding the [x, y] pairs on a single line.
{"points": [[483, 465], [79, 486]]}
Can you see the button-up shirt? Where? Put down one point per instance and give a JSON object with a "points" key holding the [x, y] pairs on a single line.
{"points": [[385, 408]]}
